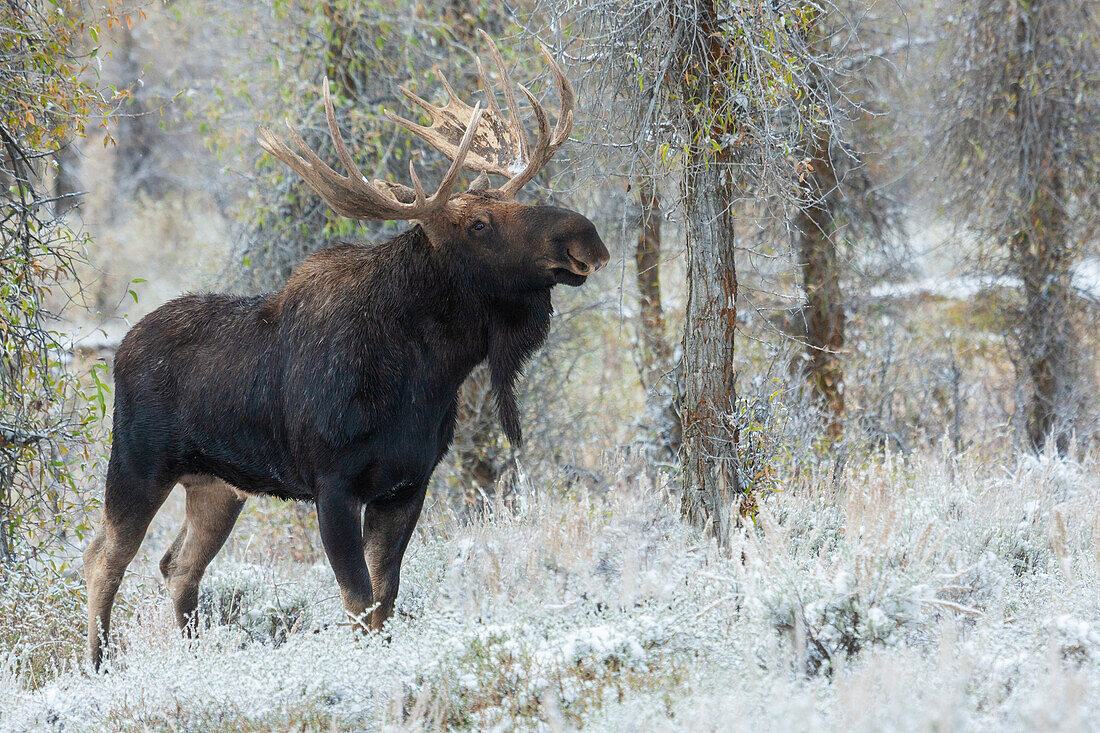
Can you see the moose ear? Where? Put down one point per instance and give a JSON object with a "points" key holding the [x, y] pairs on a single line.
{"points": [[481, 183]]}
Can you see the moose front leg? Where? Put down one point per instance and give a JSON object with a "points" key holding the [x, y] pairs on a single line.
{"points": [[387, 528], [341, 525]]}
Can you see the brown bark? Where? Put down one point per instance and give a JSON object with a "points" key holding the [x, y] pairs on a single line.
{"points": [[1044, 259], [655, 352], [709, 439], [824, 313], [709, 450], [1041, 251]]}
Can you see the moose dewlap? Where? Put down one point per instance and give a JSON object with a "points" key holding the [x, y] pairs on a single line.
{"points": [[341, 388]]}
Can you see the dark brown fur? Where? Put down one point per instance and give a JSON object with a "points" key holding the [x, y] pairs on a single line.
{"points": [[339, 389]]}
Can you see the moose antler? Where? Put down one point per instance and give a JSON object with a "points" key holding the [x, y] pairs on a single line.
{"points": [[499, 148], [352, 195]]}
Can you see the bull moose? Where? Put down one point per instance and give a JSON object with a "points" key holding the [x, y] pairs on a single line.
{"points": [[341, 387]]}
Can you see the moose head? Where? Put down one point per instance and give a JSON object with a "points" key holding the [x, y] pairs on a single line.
{"points": [[499, 243]]}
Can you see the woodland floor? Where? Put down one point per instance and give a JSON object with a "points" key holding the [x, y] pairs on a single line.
{"points": [[935, 592]]}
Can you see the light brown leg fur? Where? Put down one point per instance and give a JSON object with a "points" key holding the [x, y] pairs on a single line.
{"points": [[212, 509], [126, 516], [386, 532]]}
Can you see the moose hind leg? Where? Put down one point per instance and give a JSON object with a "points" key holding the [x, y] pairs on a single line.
{"points": [[172, 552], [212, 510], [386, 531], [129, 505]]}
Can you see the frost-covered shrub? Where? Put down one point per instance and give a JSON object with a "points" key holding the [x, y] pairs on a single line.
{"points": [[838, 620], [1076, 640], [41, 622], [1024, 545], [253, 599], [509, 673], [829, 618], [602, 610], [883, 564]]}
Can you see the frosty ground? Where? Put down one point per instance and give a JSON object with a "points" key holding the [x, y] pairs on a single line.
{"points": [[926, 593]]}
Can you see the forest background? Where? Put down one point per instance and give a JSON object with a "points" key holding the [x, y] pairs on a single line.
{"points": [[819, 444]]}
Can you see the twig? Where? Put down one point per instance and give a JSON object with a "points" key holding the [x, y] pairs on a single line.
{"points": [[956, 607]]}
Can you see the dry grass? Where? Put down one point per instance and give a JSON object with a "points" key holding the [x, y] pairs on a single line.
{"points": [[924, 593]]}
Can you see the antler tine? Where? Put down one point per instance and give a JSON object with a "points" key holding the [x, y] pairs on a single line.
{"points": [[501, 146], [542, 141], [418, 130], [418, 101], [493, 151], [273, 145], [321, 178], [509, 95], [489, 144], [354, 174], [452, 97], [420, 198], [568, 99], [487, 87], [443, 193], [543, 150], [352, 195], [547, 143]]}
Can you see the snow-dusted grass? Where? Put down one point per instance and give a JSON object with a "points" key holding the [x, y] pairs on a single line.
{"points": [[927, 593]]}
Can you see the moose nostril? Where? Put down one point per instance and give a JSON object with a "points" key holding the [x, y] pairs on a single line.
{"points": [[579, 266]]}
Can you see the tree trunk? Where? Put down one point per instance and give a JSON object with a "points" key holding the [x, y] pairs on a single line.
{"points": [[1041, 251], [821, 281], [1044, 259], [655, 352], [135, 164], [66, 184], [709, 450], [659, 380], [709, 437]]}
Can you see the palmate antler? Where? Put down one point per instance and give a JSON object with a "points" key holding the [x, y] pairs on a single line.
{"points": [[472, 138], [352, 195], [499, 147]]}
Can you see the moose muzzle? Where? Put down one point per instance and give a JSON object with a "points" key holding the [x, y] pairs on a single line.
{"points": [[581, 251]]}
